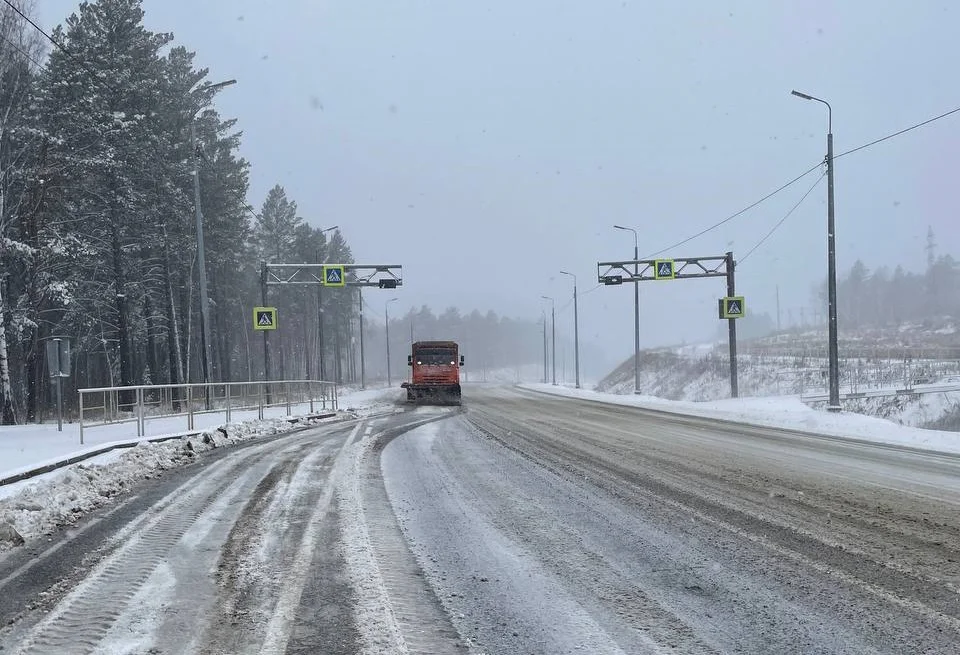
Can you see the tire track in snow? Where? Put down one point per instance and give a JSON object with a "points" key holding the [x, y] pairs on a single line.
{"points": [[80, 621]]}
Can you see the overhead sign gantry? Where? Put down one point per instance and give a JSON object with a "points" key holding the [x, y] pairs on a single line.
{"points": [[731, 306]]}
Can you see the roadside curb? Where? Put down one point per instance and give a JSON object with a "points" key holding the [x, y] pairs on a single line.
{"points": [[53, 466]]}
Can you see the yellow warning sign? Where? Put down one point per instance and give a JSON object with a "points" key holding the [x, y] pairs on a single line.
{"points": [[333, 275], [264, 318]]}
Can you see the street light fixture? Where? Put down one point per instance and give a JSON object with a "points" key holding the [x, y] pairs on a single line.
{"points": [[576, 328], [201, 259], [636, 308], [553, 333], [386, 320], [834, 356]]}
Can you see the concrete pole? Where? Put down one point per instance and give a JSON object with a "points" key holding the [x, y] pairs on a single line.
{"points": [[834, 405], [201, 262], [363, 363], [732, 329]]}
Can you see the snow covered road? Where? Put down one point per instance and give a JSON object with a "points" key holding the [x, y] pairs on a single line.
{"points": [[261, 548], [524, 523], [551, 525]]}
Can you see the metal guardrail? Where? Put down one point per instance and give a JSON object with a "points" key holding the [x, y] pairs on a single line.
{"points": [[140, 404], [883, 393]]}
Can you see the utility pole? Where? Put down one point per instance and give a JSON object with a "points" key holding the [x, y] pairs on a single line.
{"points": [[201, 262], [386, 322], [266, 340], [732, 328], [543, 316], [636, 308], [778, 308], [363, 367], [576, 329], [322, 361], [832, 332], [553, 330]]}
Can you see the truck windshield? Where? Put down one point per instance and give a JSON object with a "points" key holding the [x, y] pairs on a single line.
{"points": [[435, 356]]}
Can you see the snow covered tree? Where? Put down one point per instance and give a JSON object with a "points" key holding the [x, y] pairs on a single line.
{"points": [[20, 49]]}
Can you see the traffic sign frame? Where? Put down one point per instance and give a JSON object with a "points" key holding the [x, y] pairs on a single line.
{"points": [[261, 312], [725, 303], [657, 263], [340, 270]]}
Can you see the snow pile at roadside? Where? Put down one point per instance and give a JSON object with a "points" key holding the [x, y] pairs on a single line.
{"points": [[786, 412], [38, 506], [370, 401]]}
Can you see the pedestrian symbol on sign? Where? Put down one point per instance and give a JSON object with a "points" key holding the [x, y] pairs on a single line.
{"points": [[264, 318], [333, 276], [732, 307], [664, 269]]}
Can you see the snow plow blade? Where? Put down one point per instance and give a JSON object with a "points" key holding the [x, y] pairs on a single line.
{"points": [[423, 394]]}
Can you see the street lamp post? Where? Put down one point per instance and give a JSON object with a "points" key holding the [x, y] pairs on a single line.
{"points": [[201, 259], [553, 336], [636, 309], [576, 329], [321, 366], [834, 356], [543, 319], [386, 321]]}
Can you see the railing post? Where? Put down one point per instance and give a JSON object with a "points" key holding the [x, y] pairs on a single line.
{"points": [[286, 395], [262, 388], [189, 406], [226, 389], [141, 428], [81, 417], [311, 394], [336, 399]]}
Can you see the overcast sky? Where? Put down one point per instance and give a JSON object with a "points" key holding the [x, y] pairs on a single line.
{"points": [[486, 145]]}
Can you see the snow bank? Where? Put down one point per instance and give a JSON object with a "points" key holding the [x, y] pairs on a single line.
{"points": [[786, 412], [37, 506]]}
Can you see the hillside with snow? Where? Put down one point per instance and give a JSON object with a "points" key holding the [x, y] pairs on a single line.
{"points": [[910, 358]]}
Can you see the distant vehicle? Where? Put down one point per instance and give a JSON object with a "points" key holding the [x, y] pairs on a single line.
{"points": [[435, 373]]}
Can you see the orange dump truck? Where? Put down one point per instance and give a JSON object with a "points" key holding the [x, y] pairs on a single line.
{"points": [[435, 373]]}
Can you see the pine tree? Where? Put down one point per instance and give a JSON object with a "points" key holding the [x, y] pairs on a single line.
{"points": [[96, 105]]}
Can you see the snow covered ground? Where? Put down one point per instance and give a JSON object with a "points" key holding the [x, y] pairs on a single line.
{"points": [[703, 374], [782, 412], [26, 447], [36, 505]]}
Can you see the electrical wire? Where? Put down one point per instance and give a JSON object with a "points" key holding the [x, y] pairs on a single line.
{"points": [[22, 52], [35, 26], [739, 213], [898, 133], [781, 221], [63, 48], [801, 176]]}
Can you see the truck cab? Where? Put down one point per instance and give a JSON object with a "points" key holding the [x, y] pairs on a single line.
{"points": [[434, 372]]}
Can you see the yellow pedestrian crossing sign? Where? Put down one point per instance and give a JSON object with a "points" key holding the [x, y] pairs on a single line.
{"points": [[333, 276], [733, 307], [664, 269], [264, 318]]}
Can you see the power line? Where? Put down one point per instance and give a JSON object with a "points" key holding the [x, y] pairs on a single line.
{"points": [[22, 51], [36, 27], [898, 133], [801, 176], [781, 221], [63, 48], [739, 213]]}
